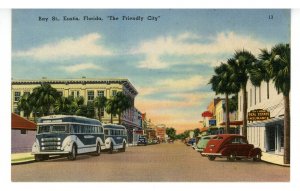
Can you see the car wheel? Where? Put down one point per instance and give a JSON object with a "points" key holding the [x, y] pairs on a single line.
{"points": [[231, 157], [257, 157], [211, 158], [124, 147], [72, 155]]}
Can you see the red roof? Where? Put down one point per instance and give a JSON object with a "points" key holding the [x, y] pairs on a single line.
{"points": [[18, 122], [207, 114], [233, 123]]}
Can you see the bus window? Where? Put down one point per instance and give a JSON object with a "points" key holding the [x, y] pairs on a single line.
{"points": [[44, 129], [59, 129], [101, 129], [106, 132]]}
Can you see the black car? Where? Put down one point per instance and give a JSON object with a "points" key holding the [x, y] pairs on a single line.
{"points": [[142, 141]]}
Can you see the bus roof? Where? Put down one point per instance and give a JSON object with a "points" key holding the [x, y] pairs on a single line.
{"points": [[113, 126], [68, 118]]}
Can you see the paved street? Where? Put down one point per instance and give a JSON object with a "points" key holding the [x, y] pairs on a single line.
{"points": [[152, 163]]}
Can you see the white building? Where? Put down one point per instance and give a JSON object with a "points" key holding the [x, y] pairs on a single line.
{"points": [[266, 134]]}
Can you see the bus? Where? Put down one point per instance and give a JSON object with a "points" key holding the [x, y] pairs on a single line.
{"points": [[67, 135], [115, 137]]}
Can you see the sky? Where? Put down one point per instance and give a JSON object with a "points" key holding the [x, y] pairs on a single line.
{"points": [[167, 54]]}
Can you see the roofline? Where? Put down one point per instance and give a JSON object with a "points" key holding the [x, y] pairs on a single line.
{"points": [[123, 81]]}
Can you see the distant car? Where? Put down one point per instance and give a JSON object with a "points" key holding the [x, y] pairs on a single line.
{"points": [[191, 142], [201, 145], [155, 141], [142, 141], [232, 147]]}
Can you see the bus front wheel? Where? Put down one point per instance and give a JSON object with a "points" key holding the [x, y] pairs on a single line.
{"points": [[111, 149], [72, 155], [124, 147], [98, 150]]}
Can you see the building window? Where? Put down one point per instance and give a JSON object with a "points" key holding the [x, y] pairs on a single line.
{"points": [[17, 96], [90, 95], [16, 111], [101, 93], [102, 112], [114, 92], [23, 131], [75, 94]]}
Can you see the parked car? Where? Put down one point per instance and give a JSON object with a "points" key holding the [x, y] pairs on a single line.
{"points": [[201, 145], [142, 141], [232, 147]]}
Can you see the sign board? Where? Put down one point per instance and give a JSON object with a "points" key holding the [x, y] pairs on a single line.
{"points": [[258, 115], [212, 122]]}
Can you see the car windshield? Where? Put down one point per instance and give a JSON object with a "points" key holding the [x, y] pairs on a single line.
{"points": [[52, 129]]}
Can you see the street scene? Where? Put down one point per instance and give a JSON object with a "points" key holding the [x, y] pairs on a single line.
{"points": [[151, 95], [163, 162]]}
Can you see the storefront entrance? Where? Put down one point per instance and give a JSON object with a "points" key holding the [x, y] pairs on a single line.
{"points": [[274, 137]]}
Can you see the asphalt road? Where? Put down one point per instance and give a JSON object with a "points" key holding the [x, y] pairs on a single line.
{"points": [[152, 163]]}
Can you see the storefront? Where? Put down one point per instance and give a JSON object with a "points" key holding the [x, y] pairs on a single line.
{"points": [[268, 135]]}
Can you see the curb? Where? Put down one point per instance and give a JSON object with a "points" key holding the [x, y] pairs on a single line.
{"points": [[22, 162]]}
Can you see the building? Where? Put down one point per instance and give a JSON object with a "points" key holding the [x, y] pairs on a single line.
{"points": [[23, 134], [265, 120], [161, 132], [88, 89], [220, 112]]}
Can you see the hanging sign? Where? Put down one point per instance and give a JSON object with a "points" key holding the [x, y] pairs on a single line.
{"points": [[258, 115]]}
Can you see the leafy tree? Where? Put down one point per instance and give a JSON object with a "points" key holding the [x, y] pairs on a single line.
{"points": [[63, 105], [196, 132], [171, 132]]}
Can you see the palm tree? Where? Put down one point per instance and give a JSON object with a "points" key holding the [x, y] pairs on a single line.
{"points": [[280, 68], [223, 82], [241, 64], [100, 103], [45, 97], [259, 71], [110, 108], [63, 105], [24, 105], [118, 104]]}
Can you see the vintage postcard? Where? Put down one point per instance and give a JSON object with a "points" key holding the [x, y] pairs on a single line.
{"points": [[150, 95]]}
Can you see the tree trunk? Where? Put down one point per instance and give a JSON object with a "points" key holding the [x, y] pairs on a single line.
{"points": [[244, 130], [227, 115], [286, 129], [111, 118], [119, 117]]}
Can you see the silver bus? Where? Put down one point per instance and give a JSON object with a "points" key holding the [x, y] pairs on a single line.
{"points": [[67, 135], [115, 137]]}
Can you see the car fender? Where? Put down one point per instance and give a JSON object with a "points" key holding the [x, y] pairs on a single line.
{"points": [[226, 151], [254, 152]]}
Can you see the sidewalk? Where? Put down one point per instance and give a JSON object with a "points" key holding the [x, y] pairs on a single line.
{"points": [[19, 158], [274, 159]]}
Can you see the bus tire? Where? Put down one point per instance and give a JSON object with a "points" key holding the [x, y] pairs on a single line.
{"points": [[98, 150], [124, 147], [72, 155], [38, 158], [111, 149]]}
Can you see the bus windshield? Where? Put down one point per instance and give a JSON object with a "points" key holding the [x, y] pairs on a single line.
{"points": [[52, 129]]}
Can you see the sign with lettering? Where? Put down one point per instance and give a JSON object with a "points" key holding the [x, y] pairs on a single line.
{"points": [[258, 115]]}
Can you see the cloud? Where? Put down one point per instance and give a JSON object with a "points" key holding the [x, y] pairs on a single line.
{"points": [[86, 45], [210, 50], [174, 85], [79, 67]]}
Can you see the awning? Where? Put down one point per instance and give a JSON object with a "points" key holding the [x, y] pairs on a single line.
{"points": [[207, 114], [233, 123]]}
